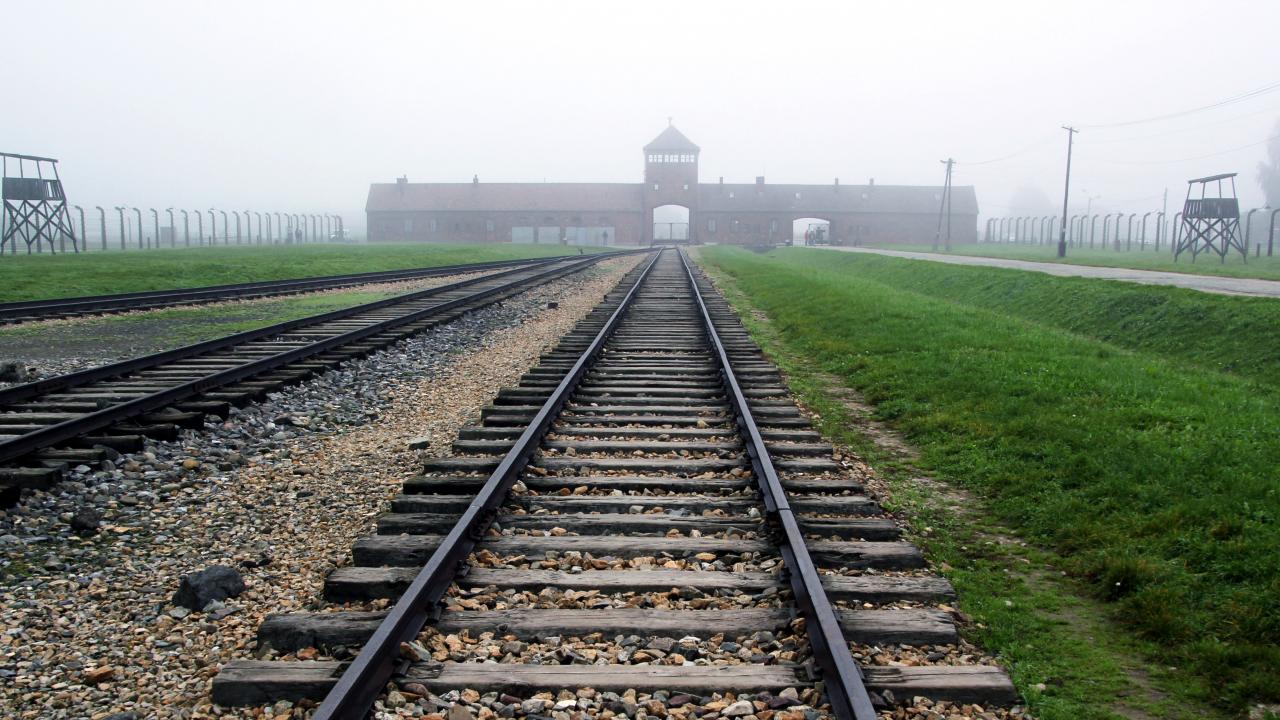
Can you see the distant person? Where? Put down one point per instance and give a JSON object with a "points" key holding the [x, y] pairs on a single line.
{"points": [[604, 238], [297, 234]]}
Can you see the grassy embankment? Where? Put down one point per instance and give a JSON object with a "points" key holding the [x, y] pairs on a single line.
{"points": [[34, 277], [1266, 268], [1128, 432]]}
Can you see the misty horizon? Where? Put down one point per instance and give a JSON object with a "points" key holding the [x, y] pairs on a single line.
{"points": [[299, 107]]}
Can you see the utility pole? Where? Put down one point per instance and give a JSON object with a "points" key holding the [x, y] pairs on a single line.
{"points": [[1066, 192], [945, 207]]}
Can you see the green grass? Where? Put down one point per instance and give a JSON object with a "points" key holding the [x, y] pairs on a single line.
{"points": [[1267, 268], [35, 277], [128, 335], [1144, 466]]}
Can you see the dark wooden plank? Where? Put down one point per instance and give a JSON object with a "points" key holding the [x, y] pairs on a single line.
{"points": [[636, 523], [294, 631], [696, 504], [407, 550], [264, 682], [287, 633], [36, 478], [348, 584], [585, 524], [603, 446], [675, 466], [887, 589], [898, 626], [524, 679], [982, 684], [605, 482], [858, 554]]}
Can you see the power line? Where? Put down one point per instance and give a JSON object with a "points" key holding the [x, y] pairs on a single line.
{"points": [[1043, 141], [1228, 101], [1197, 157], [1179, 131]]}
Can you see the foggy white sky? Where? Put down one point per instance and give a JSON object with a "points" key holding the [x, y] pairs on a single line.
{"points": [[298, 106]]}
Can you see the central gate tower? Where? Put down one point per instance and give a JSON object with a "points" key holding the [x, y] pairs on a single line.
{"points": [[671, 178]]}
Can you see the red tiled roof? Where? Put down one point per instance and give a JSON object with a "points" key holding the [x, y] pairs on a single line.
{"points": [[833, 198], [671, 139], [531, 197]]}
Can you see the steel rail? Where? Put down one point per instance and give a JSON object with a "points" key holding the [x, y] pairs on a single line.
{"points": [[86, 304], [366, 677], [26, 391], [844, 682], [75, 427]]}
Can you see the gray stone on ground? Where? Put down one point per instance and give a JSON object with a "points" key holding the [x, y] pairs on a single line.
{"points": [[216, 582], [12, 372], [85, 521]]}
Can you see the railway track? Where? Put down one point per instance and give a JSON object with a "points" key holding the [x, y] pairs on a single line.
{"points": [[32, 310], [86, 416], [646, 526]]}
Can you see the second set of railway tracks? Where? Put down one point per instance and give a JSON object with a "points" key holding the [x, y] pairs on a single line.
{"points": [[57, 308], [646, 525], [85, 416]]}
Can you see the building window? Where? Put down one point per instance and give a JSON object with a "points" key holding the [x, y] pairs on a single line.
{"points": [[432, 224], [655, 186], [408, 225], [711, 226], [735, 226], [488, 225], [797, 196], [730, 194], [773, 226]]}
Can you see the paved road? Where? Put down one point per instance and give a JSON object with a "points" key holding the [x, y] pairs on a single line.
{"points": [[1203, 283]]}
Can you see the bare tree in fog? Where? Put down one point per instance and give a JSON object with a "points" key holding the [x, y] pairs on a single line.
{"points": [[1030, 200], [1269, 169]]}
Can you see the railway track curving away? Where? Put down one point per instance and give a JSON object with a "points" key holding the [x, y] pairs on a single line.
{"points": [[646, 525], [55, 308], [84, 417]]}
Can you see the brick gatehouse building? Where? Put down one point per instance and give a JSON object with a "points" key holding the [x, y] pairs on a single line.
{"points": [[624, 213]]}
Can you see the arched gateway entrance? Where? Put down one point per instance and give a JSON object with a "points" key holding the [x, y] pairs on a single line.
{"points": [[671, 224], [810, 231]]}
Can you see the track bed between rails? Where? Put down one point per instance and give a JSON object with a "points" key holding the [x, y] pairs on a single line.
{"points": [[633, 563]]}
